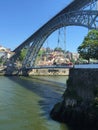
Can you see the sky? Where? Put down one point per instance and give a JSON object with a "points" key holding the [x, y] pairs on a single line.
{"points": [[19, 19]]}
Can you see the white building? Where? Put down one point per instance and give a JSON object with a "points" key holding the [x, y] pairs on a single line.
{"points": [[5, 52], [75, 56]]}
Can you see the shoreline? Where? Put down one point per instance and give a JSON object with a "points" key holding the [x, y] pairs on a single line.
{"points": [[37, 72]]}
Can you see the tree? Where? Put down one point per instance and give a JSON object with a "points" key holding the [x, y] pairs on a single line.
{"points": [[48, 50], [89, 48], [41, 52], [58, 49], [1, 60], [22, 54]]}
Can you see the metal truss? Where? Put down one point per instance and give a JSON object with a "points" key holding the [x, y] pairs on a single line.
{"points": [[78, 13], [91, 5], [81, 18]]}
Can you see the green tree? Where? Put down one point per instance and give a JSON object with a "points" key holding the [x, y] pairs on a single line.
{"points": [[41, 52], [48, 50], [89, 48], [22, 54], [1, 60], [58, 49]]}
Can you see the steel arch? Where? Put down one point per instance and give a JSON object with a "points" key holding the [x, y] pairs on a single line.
{"points": [[86, 18]]}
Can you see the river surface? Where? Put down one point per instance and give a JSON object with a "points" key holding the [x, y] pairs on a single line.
{"points": [[25, 103]]}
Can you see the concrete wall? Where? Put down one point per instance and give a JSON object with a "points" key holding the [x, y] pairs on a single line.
{"points": [[50, 71], [83, 81]]}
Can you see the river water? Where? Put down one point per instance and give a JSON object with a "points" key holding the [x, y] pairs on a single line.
{"points": [[25, 103]]}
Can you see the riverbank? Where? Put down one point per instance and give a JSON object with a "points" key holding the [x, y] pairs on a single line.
{"points": [[50, 71], [36, 72]]}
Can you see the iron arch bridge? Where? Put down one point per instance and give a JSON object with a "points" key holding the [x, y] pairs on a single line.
{"points": [[79, 13]]}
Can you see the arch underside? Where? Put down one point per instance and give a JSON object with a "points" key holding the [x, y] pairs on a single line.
{"points": [[86, 19]]}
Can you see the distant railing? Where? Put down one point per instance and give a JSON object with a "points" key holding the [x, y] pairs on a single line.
{"points": [[53, 66], [86, 66]]}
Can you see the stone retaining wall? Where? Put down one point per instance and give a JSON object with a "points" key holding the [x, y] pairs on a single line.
{"points": [[83, 81], [79, 107], [50, 71]]}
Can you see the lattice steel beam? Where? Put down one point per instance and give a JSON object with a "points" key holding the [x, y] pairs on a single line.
{"points": [[74, 14], [80, 18], [73, 6]]}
